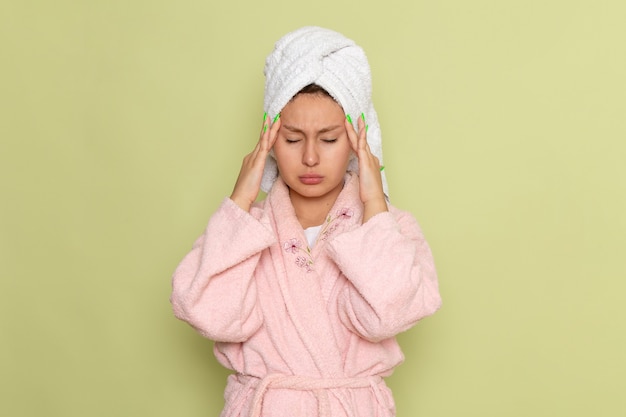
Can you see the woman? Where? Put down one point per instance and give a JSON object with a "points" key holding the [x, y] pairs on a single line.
{"points": [[304, 291]]}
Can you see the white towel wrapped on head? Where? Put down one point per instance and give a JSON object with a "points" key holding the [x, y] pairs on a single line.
{"points": [[314, 55]]}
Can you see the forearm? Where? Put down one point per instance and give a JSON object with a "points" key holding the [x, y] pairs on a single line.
{"points": [[213, 287], [392, 281]]}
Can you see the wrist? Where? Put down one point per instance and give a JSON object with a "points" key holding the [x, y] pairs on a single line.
{"points": [[243, 203], [373, 207]]}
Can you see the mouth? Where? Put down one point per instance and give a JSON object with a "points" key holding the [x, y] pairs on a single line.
{"points": [[311, 179]]}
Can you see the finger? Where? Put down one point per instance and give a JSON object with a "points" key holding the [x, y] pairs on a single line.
{"points": [[352, 135], [273, 133], [269, 136], [262, 145], [363, 134], [258, 145], [265, 124]]}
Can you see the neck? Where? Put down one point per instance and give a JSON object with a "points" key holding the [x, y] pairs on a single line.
{"points": [[312, 211]]}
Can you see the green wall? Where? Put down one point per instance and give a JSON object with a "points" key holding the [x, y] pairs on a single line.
{"points": [[123, 125]]}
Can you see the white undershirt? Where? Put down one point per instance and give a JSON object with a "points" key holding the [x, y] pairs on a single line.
{"points": [[311, 234]]}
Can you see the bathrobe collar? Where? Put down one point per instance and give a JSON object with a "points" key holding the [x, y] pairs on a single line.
{"points": [[301, 271]]}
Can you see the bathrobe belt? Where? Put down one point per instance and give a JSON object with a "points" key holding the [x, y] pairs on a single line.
{"points": [[318, 386]]}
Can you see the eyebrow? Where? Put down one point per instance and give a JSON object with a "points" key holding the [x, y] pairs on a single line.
{"points": [[324, 130]]}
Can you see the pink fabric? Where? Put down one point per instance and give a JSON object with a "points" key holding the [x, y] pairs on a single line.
{"points": [[279, 310]]}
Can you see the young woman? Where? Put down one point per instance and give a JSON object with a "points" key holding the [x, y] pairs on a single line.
{"points": [[304, 292]]}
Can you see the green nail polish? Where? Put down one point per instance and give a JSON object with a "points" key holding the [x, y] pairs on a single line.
{"points": [[276, 118], [382, 167], [265, 128], [264, 116], [363, 117], [367, 127], [349, 118]]}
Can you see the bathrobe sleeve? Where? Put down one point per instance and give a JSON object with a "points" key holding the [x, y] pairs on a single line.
{"points": [[213, 287], [391, 274]]}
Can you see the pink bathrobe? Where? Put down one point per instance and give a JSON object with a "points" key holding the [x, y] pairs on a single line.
{"points": [[309, 332]]}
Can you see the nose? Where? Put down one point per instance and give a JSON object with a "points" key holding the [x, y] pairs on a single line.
{"points": [[310, 156]]}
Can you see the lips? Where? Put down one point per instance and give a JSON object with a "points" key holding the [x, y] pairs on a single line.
{"points": [[311, 179]]}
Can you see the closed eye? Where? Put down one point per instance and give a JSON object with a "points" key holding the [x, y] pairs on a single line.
{"points": [[292, 140], [329, 140]]}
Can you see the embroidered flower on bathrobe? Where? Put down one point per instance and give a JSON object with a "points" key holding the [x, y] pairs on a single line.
{"points": [[292, 245], [306, 263], [331, 224], [345, 213], [295, 245]]}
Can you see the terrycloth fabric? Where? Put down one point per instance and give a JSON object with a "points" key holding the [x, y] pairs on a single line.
{"points": [[313, 55], [318, 386], [303, 328]]}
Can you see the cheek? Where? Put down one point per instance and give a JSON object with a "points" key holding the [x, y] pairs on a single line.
{"points": [[344, 155], [282, 156], [277, 150]]}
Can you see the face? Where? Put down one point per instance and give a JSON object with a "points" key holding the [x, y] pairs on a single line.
{"points": [[312, 148]]}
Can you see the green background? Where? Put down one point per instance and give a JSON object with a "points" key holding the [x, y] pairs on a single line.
{"points": [[123, 125]]}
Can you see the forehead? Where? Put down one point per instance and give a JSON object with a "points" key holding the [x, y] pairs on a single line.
{"points": [[311, 107]]}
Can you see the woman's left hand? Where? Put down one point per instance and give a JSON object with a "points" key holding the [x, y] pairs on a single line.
{"points": [[370, 179]]}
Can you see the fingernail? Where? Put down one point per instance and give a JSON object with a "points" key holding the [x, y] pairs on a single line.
{"points": [[276, 118], [363, 117], [382, 167], [264, 116], [265, 128], [367, 128], [349, 118]]}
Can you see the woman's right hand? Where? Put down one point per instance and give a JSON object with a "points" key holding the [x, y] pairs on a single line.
{"points": [[249, 181]]}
